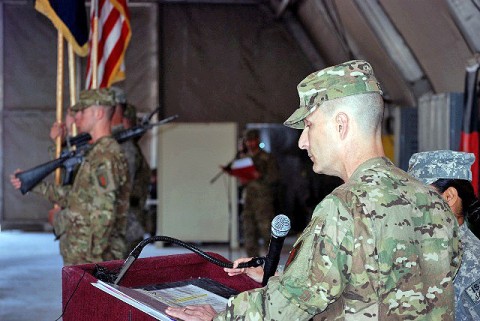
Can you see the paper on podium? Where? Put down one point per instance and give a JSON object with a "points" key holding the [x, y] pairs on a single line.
{"points": [[154, 300], [243, 168]]}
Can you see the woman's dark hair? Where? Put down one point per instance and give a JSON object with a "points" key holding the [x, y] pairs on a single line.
{"points": [[470, 203]]}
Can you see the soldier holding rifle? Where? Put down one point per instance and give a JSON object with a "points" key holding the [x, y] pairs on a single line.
{"points": [[91, 226]]}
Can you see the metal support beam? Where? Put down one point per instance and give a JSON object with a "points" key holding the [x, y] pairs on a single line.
{"points": [[395, 46], [298, 32]]}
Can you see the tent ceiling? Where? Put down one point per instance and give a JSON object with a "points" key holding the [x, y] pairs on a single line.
{"points": [[416, 47]]}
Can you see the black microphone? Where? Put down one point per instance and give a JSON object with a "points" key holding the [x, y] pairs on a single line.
{"points": [[280, 229]]}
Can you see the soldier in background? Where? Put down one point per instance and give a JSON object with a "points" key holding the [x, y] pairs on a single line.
{"points": [[449, 173], [141, 179], [139, 171], [258, 195], [91, 225]]}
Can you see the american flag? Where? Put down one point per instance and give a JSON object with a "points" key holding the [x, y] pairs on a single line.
{"points": [[114, 34]]}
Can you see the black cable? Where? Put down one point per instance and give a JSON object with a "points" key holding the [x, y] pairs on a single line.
{"points": [[103, 274], [71, 296], [254, 262], [136, 251]]}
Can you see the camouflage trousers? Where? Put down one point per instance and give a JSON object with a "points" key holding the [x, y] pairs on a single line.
{"points": [[257, 218], [135, 230]]}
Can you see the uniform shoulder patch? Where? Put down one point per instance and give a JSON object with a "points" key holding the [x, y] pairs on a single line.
{"points": [[293, 254], [104, 179]]}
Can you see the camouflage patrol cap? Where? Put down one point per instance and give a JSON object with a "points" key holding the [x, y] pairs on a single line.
{"points": [[130, 112], [346, 79], [120, 97], [90, 97], [429, 167]]}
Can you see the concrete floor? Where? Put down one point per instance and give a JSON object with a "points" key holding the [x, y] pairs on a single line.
{"points": [[30, 273]]}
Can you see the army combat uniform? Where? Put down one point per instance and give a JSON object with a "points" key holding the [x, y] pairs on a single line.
{"points": [[92, 224], [429, 167], [383, 246], [467, 280], [258, 198]]}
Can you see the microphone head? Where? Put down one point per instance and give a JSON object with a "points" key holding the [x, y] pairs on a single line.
{"points": [[280, 225]]}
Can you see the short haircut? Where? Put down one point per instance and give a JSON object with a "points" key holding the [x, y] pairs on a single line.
{"points": [[367, 109]]}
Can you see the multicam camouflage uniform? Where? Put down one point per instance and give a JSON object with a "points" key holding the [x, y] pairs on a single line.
{"points": [[383, 246], [91, 227], [258, 198], [140, 177]]}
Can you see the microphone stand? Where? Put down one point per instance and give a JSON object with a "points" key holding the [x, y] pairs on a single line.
{"points": [[254, 262], [227, 167], [217, 176]]}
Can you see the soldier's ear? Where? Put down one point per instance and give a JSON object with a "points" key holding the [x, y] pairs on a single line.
{"points": [[99, 112], [451, 197], [341, 124]]}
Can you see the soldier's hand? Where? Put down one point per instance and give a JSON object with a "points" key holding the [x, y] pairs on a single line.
{"points": [[255, 273], [192, 312], [16, 182], [52, 212], [58, 130]]}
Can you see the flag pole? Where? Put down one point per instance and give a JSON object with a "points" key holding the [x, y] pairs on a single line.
{"points": [[72, 82], [59, 99], [94, 53]]}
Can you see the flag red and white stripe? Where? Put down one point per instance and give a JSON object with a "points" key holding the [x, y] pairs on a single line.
{"points": [[114, 35]]}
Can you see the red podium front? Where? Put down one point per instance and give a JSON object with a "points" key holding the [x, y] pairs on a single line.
{"points": [[82, 301]]}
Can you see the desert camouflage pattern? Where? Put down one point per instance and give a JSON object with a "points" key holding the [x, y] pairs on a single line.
{"points": [[346, 79], [429, 167], [258, 199], [91, 227], [467, 280], [382, 246]]}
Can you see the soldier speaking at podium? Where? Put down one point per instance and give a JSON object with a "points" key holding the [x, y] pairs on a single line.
{"points": [[382, 246]]}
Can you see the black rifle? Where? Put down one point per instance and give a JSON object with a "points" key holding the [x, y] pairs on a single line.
{"points": [[70, 158], [139, 130]]}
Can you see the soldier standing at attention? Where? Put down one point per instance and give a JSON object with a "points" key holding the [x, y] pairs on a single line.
{"points": [[138, 170], [382, 246], [142, 177], [258, 195], [91, 225]]}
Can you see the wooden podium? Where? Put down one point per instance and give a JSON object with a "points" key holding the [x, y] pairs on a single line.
{"points": [[82, 301]]}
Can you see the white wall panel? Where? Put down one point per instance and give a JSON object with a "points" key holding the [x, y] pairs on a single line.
{"points": [[190, 208]]}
